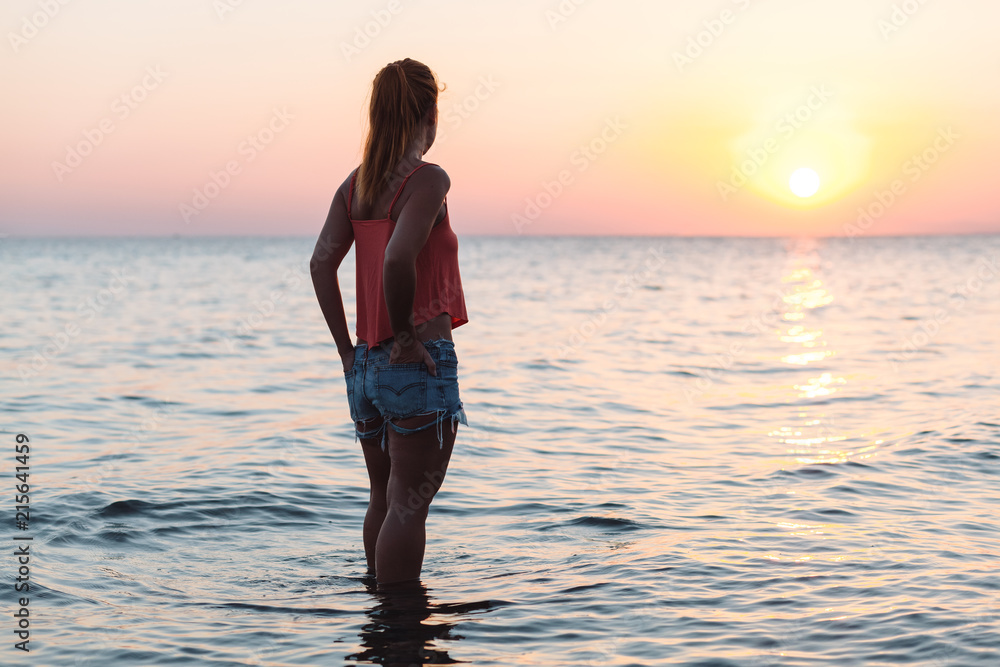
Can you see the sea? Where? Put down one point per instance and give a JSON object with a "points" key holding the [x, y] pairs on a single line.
{"points": [[710, 452]]}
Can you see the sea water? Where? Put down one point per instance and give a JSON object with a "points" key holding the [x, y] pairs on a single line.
{"points": [[681, 451]]}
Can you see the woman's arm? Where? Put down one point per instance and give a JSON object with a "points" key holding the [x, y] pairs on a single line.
{"points": [[429, 187], [335, 240]]}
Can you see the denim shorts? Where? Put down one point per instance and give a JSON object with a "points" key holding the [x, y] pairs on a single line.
{"points": [[378, 389]]}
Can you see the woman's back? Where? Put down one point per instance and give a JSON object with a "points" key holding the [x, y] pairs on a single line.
{"points": [[438, 290], [389, 200]]}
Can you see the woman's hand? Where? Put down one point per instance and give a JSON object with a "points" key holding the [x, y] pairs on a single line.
{"points": [[415, 352], [348, 360]]}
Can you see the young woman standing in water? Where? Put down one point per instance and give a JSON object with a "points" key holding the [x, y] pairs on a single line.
{"points": [[402, 372]]}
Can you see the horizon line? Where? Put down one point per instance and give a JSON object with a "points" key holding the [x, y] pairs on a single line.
{"points": [[178, 236]]}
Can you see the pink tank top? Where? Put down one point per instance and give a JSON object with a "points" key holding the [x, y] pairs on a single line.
{"points": [[439, 284]]}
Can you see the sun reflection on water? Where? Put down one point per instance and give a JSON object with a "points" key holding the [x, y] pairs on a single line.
{"points": [[807, 293], [813, 439], [819, 386]]}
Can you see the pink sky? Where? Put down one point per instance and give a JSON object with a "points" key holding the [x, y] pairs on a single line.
{"points": [[559, 118]]}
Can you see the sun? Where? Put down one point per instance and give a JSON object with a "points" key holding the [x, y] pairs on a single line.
{"points": [[804, 182]]}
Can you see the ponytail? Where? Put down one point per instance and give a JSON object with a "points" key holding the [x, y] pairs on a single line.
{"points": [[403, 93]]}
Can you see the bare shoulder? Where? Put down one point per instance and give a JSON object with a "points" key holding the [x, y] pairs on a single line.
{"points": [[345, 187], [432, 178]]}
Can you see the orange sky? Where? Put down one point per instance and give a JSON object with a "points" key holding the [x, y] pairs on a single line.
{"points": [[577, 117]]}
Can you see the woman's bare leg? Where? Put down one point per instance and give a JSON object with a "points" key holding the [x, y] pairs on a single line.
{"points": [[378, 464], [418, 467]]}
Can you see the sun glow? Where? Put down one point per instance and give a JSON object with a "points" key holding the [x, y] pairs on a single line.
{"points": [[830, 155], [804, 182]]}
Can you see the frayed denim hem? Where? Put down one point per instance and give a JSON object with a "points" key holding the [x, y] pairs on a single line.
{"points": [[458, 416]]}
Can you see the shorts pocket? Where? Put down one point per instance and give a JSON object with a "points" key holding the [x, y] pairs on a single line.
{"points": [[401, 389]]}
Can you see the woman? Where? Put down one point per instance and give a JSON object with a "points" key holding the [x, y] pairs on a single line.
{"points": [[402, 373]]}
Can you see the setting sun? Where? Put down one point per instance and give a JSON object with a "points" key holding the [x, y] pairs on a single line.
{"points": [[804, 182]]}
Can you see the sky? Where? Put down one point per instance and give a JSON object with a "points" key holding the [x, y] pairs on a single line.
{"points": [[571, 117]]}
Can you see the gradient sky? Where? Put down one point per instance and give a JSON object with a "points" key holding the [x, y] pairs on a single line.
{"points": [[618, 99]]}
